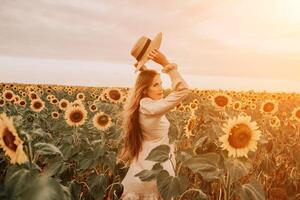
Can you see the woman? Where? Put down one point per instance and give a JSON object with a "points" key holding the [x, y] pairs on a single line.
{"points": [[145, 125]]}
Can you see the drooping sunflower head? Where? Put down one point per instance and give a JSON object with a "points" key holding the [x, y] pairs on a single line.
{"points": [[190, 125], [241, 136], [75, 115], [102, 121], [10, 141], [37, 105]]}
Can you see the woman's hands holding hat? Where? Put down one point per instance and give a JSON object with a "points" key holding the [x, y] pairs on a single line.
{"points": [[158, 57]]}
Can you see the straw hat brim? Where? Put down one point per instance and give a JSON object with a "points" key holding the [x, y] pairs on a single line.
{"points": [[155, 44]]}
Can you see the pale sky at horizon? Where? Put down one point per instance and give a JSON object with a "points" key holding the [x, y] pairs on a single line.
{"points": [[244, 40]]}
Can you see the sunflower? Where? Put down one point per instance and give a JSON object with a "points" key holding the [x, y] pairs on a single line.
{"points": [[252, 106], [274, 122], [220, 100], [22, 102], [93, 107], [190, 125], [54, 101], [63, 104], [269, 107], [195, 101], [76, 103], [241, 136], [2, 102], [30, 88], [237, 105], [17, 99], [33, 95], [102, 121], [75, 115], [48, 90], [93, 95], [10, 141], [55, 115], [296, 114], [80, 96], [193, 106], [40, 92], [70, 93], [181, 108], [8, 95], [50, 96], [37, 105], [102, 97], [114, 95]]}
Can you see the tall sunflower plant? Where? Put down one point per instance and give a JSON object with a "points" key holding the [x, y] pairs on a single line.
{"points": [[218, 153], [52, 153]]}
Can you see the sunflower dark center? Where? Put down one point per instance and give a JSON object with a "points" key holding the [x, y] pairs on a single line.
{"points": [[37, 105], [76, 116], [102, 120], [8, 95], [221, 101], [9, 139], [114, 94], [63, 104], [268, 107], [240, 136]]}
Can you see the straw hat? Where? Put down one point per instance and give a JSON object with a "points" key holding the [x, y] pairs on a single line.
{"points": [[143, 47]]}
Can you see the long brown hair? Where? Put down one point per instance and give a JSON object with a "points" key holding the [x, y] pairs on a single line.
{"points": [[131, 130]]}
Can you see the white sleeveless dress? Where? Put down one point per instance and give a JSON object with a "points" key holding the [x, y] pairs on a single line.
{"points": [[154, 126]]}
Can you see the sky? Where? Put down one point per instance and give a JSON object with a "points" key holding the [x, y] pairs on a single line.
{"points": [[227, 44]]}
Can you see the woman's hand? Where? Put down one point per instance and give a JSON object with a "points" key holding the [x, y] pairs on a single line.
{"points": [[158, 57]]}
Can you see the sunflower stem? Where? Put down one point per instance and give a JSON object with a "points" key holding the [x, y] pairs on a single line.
{"points": [[30, 151], [172, 163]]}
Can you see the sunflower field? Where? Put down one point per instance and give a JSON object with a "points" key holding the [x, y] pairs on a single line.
{"points": [[61, 142]]}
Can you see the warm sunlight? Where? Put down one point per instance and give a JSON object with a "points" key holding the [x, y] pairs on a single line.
{"points": [[290, 10]]}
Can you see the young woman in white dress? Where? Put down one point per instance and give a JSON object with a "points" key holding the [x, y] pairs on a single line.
{"points": [[145, 125]]}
